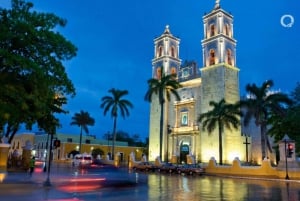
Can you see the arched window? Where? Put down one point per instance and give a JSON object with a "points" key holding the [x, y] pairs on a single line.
{"points": [[173, 70], [212, 30], [158, 73], [159, 51], [229, 56], [227, 30], [173, 51], [212, 57]]}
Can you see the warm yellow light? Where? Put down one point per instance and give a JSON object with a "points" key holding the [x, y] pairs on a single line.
{"points": [[232, 155], [208, 154], [2, 177]]}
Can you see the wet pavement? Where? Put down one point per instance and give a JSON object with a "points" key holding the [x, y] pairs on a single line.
{"points": [[71, 184]]}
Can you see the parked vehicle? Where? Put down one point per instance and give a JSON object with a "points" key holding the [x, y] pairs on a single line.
{"points": [[82, 160], [168, 167], [190, 169], [144, 166]]}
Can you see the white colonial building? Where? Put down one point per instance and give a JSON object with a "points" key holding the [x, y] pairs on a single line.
{"points": [[218, 78]]}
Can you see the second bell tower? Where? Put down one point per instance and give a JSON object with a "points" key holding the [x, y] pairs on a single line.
{"points": [[166, 58], [220, 79]]}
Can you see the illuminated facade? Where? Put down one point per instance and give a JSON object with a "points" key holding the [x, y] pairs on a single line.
{"points": [[217, 79], [39, 146]]}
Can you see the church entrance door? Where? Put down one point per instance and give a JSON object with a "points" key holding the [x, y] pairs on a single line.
{"points": [[184, 150]]}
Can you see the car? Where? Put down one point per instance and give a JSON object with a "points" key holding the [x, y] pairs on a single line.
{"points": [[168, 168], [191, 169], [144, 166], [82, 160]]}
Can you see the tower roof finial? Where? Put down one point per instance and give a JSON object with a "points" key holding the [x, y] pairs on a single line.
{"points": [[167, 30], [217, 4]]}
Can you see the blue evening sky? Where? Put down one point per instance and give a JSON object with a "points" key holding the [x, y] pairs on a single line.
{"points": [[115, 48]]}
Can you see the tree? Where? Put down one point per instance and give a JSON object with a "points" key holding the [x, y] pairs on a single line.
{"points": [[295, 94], [287, 121], [133, 140], [97, 152], [83, 120], [116, 105], [32, 74], [163, 87], [222, 115], [260, 104]]}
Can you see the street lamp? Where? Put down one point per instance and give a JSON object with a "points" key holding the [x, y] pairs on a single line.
{"points": [[47, 152], [47, 182], [286, 164], [50, 123], [169, 131], [108, 136]]}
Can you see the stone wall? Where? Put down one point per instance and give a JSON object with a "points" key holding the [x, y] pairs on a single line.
{"points": [[265, 170]]}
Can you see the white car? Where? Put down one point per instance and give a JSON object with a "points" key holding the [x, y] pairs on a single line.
{"points": [[82, 159]]}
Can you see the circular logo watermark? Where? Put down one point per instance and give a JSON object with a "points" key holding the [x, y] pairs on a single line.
{"points": [[287, 21]]}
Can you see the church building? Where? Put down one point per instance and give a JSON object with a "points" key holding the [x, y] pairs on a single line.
{"points": [[218, 78]]}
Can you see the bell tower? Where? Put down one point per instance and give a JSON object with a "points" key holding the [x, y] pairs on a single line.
{"points": [[166, 54], [220, 79], [166, 58]]}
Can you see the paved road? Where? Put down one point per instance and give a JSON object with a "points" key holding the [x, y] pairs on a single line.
{"points": [[21, 186], [67, 183]]}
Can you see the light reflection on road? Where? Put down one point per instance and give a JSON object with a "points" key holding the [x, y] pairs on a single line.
{"points": [[81, 184], [114, 185]]}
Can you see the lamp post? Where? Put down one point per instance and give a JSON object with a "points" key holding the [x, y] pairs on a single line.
{"points": [[47, 182], [108, 136], [169, 131], [47, 153], [286, 164]]}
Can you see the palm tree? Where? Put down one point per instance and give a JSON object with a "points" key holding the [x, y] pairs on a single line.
{"points": [[260, 104], [164, 87], [222, 115], [116, 105], [82, 120]]}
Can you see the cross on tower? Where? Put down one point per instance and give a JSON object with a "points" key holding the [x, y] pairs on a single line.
{"points": [[217, 4], [246, 144]]}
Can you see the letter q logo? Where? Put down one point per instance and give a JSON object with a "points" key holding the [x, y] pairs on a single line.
{"points": [[287, 21]]}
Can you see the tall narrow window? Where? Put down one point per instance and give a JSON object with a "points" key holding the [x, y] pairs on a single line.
{"points": [[159, 51], [173, 70], [172, 51], [211, 57], [229, 60], [212, 30], [158, 73], [227, 30]]}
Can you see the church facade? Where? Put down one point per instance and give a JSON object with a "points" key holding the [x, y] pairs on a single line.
{"points": [[218, 78]]}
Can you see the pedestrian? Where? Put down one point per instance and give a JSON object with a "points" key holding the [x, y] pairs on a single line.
{"points": [[31, 165]]}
